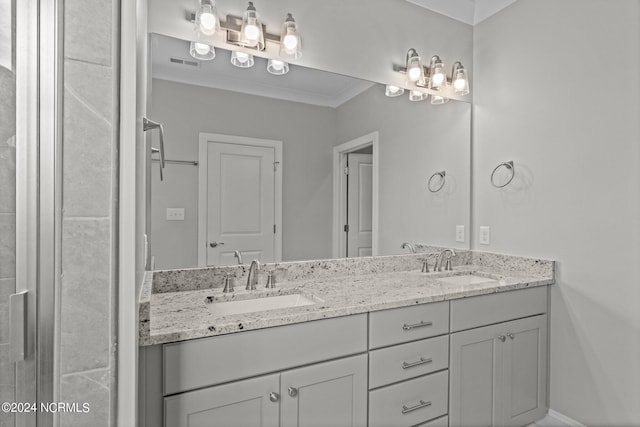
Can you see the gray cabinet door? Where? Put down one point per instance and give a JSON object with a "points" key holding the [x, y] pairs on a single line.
{"points": [[240, 404], [331, 394], [475, 376], [525, 367]]}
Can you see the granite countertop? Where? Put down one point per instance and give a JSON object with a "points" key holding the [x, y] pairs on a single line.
{"points": [[186, 314]]}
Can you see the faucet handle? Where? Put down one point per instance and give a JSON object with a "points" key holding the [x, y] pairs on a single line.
{"points": [[271, 280], [425, 265], [229, 282]]}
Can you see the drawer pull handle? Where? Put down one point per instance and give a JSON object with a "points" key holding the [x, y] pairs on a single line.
{"points": [[293, 392], [422, 361], [274, 397], [422, 404], [416, 325]]}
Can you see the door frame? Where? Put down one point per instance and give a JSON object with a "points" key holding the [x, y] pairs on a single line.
{"points": [[203, 166], [340, 191], [38, 199]]}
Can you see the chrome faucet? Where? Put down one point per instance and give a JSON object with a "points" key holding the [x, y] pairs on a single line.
{"points": [[252, 277], [238, 255], [438, 266], [406, 245]]}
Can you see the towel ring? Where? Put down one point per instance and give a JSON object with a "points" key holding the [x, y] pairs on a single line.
{"points": [[442, 175], [509, 166]]}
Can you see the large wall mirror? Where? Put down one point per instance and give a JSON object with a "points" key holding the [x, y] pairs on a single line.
{"points": [[308, 165]]}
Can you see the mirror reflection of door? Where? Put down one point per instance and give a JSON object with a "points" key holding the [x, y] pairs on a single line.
{"points": [[359, 203], [241, 200]]}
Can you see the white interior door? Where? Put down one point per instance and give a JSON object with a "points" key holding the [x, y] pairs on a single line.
{"points": [[240, 203], [359, 204]]}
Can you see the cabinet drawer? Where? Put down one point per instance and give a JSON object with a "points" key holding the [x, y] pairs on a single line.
{"points": [[411, 402], [209, 361], [398, 325], [467, 313], [404, 361]]}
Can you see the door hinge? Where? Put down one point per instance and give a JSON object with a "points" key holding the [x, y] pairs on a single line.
{"points": [[346, 170], [275, 166], [274, 229], [346, 228]]}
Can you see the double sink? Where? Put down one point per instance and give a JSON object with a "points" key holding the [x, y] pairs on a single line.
{"points": [[293, 298]]}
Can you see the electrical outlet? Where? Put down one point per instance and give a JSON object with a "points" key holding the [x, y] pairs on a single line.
{"points": [[485, 235], [459, 233], [175, 214]]}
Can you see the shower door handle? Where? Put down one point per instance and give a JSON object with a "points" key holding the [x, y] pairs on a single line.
{"points": [[148, 124], [18, 326]]}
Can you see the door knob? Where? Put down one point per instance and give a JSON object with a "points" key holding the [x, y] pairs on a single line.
{"points": [[502, 338], [510, 335], [215, 244], [293, 392], [274, 397]]}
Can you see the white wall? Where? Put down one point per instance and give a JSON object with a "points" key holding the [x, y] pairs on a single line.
{"points": [[307, 131], [415, 140], [571, 126]]}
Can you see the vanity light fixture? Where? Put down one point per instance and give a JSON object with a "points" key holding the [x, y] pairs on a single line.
{"points": [[437, 76], [438, 99], [247, 32], [207, 19], [416, 95], [277, 67], [392, 91], [415, 71], [290, 41], [241, 59], [251, 34], [202, 51], [459, 79]]}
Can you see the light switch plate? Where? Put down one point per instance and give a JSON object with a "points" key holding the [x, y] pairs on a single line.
{"points": [[175, 214], [459, 233], [485, 235]]}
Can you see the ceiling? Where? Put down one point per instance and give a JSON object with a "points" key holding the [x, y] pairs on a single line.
{"points": [[301, 84], [468, 11]]}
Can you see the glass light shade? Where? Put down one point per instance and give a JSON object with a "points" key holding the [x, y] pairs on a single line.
{"points": [[207, 19], [290, 41], [437, 100], [202, 51], [416, 95], [415, 71], [393, 91], [277, 67], [437, 77], [460, 81], [251, 31], [241, 59]]}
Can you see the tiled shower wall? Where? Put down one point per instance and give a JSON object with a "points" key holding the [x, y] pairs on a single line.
{"points": [[7, 204], [88, 299]]}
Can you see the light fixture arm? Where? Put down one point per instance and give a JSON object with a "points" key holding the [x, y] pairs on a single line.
{"points": [[410, 54]]}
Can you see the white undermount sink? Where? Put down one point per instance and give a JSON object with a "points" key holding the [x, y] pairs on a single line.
{"points": [[467, 279], [252, 305]]}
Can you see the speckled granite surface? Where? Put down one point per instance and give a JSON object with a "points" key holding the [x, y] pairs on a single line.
{"points": [[177, 306]]}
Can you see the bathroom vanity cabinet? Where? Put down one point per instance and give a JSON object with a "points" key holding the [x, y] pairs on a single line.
{"points": [[470, 361]]}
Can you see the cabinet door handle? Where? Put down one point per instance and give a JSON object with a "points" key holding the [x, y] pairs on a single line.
{"points": [[274, 397], [502, 338], [215, 244], [293, 392], [422, 361], [406, 409], [510, 335], [416, 325]]}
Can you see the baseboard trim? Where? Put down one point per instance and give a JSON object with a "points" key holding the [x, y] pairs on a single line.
{"points": [[556, 419]]}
